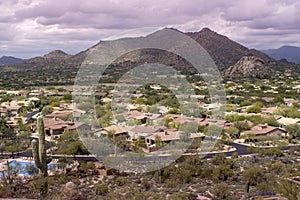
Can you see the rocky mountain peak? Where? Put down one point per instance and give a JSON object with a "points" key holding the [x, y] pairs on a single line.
{"points": [[248, 66], [56, 54]]}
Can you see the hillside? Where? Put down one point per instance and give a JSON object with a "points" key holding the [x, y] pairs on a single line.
{"points": [[224, 51]]}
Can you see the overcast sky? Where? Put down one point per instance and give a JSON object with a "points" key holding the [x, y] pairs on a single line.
{"points": [[35, 27]]}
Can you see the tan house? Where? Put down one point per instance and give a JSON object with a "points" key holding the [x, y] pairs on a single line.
{"points": [[55, 126], [3, 111], [79, 126], [9, 110], [284, 121], [117, 130], [290, 101], [268, 111], [141, 132], [167, 136], [63, 114], [264, 129], [164, 136], [137, 115]]}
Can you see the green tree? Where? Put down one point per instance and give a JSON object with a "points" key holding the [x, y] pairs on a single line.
{"points": [[241, 125], [233, 132], [278, 100], [5, 129], [46, 110], [221, 191], [288, 189], [54, 104], [293, 130], [70, 144], [255, 108], [246, 103], [213, 130], [253, 176]]}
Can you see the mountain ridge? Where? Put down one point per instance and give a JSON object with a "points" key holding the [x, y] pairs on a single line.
{"points": [[7, 60], [290, 53], [224, 51]]}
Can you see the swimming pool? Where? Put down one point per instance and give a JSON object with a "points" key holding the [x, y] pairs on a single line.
{"points": [[28, 168]]}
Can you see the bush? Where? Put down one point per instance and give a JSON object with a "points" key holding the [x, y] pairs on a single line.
{"points": [[270, 152], [221, 191], [101, 189], [120, 181]]}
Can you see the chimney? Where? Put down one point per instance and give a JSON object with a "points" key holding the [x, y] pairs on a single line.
{"points": [[264, 125]]}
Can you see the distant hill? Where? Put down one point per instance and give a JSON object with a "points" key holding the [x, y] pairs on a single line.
{"points": [[290, 53], [9, 60], [53, 58]]}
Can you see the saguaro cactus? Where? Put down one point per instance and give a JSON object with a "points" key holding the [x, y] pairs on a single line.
{"points": [[39, 150]]}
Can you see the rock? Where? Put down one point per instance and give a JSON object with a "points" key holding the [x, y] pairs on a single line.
{"points": [[248, 66], [70, 191]]}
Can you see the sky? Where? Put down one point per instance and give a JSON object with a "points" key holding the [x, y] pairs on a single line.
{"points": [[31, 28]]}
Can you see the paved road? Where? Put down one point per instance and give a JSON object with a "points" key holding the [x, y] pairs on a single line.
{"points": [[240, 149]]}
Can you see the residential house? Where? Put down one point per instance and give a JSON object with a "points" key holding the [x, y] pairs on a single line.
{"points": [[36, 93], [106, 100], [268, 111], [9, 110], [267, 99], [290, 101], [284, 121], [101, 93], [116, 130], [79, 126], [264, 129], [167, 135], [141, 132], [55, 126], [3, 111], [12, 92], [137, 115]]}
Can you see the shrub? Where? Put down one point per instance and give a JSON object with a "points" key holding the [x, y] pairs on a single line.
{"points": [[101, 189]]}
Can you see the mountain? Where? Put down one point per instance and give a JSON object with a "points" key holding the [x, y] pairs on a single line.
{"points": [[53, 58], [56, 58], [9, 60], [290, 53], [225, 52]]}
